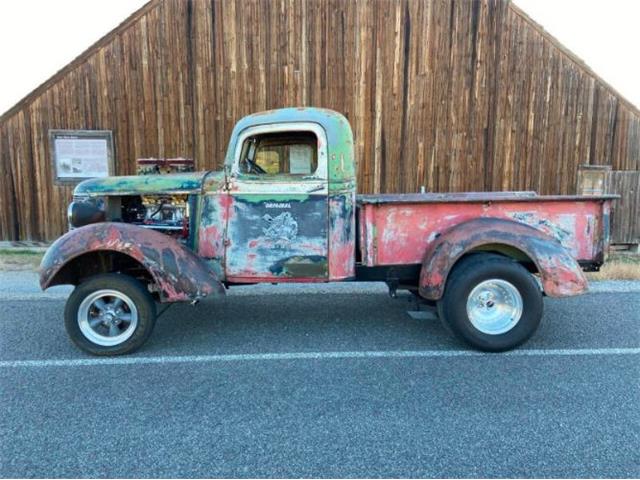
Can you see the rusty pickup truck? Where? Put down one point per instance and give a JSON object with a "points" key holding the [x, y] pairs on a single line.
{"points": [[284, 209]]}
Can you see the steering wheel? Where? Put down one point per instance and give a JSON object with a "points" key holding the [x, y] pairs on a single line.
{"points": [[254, 167]]}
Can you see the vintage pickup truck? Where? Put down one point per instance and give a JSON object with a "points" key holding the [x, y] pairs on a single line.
{"points": [[285, 209]]}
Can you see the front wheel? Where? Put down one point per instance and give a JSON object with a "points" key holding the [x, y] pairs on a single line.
{"points": [[491, 302], [110, 314]]}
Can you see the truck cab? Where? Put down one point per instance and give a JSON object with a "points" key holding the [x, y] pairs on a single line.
{"points": [[284, 208]]}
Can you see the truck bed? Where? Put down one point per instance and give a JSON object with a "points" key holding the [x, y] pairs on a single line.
{"points": [[396, 229]]}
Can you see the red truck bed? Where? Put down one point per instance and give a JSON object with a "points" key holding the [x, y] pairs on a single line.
{"points": [[398, 229]]}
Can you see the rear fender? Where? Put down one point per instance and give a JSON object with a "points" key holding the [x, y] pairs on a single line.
{"points": [[560, 273], [178, 273]]}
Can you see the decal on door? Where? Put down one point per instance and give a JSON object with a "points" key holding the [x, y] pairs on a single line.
{"points": [[273, 238], [282, 228]]}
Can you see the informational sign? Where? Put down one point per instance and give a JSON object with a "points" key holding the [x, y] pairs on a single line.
{"points": [[81, 154]]}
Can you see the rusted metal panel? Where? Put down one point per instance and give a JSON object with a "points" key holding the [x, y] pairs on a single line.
{"points": [[219, 211], [277, 237], [178, 273], [211, 223], [342, 236], [560, 273], [474, 197], [190, 182], [399, 233]]}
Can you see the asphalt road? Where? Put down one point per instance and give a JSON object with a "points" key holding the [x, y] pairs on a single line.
{"points": [[249, 387]]}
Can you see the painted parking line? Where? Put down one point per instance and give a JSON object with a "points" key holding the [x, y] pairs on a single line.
{"points": [[371, 354]]}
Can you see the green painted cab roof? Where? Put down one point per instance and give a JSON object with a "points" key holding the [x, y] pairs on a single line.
{"points": [[337, 129]]}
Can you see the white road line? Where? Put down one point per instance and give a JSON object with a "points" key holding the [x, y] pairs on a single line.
{"points": [[86, 362]]}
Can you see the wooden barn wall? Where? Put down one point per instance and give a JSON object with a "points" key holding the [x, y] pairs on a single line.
{"points": [[625, 227], [452, 95]]}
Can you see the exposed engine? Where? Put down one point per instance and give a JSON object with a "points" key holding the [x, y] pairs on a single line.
{"points": [[167, 213]]}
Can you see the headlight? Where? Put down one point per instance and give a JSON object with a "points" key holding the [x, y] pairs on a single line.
{"points": [[85, 210]]}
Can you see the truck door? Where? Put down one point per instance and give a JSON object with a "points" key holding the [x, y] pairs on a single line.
{"points": [[277, 219]]}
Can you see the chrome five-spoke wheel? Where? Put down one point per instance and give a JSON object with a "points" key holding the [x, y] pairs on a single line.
{"points": [[107, 317], [110, 314]]}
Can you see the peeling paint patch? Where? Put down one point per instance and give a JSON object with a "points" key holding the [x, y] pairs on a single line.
{"points": [[560, 273], [144, 184], [307, 266], [342, 236], [266, 241], [212, 224]]}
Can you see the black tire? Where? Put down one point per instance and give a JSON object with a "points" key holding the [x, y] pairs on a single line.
{"points": [[133, 291], [469, 273]]}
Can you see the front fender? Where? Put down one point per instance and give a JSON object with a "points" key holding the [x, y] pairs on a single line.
{"points": [[560, 273], [179, 274]]}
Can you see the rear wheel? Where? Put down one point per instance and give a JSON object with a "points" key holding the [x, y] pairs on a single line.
{"points": [[110, 314], [491, 302]]}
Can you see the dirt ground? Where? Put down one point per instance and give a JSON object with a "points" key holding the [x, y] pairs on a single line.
{"points": [[15, 259], [620, 266]]}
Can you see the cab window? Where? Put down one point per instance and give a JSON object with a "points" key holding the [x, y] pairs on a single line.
{"points": [[282, 153]]}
